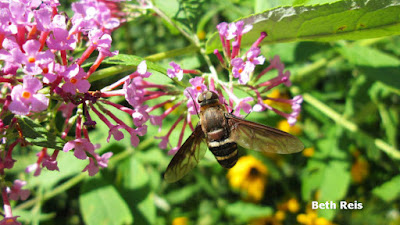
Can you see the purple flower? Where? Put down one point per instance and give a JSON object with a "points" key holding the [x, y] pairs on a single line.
{"points": [[222, 29], [253, 56], [164, 141], [192, 92], [16, 192], [94, 165], [43, 18], [50, 72], [50, 163], [81, 146], [140, 115], [101, 41], [91, 15], [74, 77], [59, 39], [239, 103], [114, 131], [34, 167], [133, 95], [33, 58], [6, 27], [25, 97], [175, 72], [242, 70], [237, 29], [103, 160], [92, 168], [142, 69]]}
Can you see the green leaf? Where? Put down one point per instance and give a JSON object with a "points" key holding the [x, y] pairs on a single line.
{"points": [[374, 63], [388, 191], [181, 195], [136, 188], [100, 203], [334, 185], [343, 20], [134, 61], [38, 135], [246, 211]]}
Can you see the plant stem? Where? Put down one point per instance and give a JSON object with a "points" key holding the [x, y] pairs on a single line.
{"points": [[172, 53], [385, 147], [80, 177]]}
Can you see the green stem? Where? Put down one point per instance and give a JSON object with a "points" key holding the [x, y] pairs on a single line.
{"points": [[80, 177], [385, 147], [109, 71], [58, 190], [166, 18], [173, 53]]}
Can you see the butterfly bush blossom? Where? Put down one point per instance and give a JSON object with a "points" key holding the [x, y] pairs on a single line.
{"points": [[182, 96], [41, 73]]}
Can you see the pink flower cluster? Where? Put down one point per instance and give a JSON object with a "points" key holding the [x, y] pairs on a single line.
{"points": [[39, 75], [38, 68], [243, 68]]}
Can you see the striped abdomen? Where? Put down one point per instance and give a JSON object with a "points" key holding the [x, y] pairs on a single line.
{"points": [[224, 150]]}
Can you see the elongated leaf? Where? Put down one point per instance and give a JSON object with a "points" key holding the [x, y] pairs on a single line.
{"points": [[100, 203], [246, 211], [388, 191], [347, 19], [136, 188], [132, 60], [375, 64], [36, 134]]}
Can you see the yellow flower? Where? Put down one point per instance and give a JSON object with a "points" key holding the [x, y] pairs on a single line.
{"points": [[249, 176], [277, 94], [180, 221], [284, 126], [176, 111], [293, 205], [311, 218], [201, 34], [359, 170], [280, 215], [308, 152]]}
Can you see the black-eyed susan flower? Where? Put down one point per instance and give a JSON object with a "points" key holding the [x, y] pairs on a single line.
{"points": [[180, 221], [293, 205], [249, 176], [311, 218], [308, 152], [285, 126]]}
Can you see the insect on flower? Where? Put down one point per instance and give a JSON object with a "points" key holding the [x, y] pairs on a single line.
{"points": [[223, 132]]}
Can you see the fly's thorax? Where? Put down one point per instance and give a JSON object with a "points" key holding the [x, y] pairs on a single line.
{"points": [[212, 119]]}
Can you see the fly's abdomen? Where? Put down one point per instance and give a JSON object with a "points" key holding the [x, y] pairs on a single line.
{"points": [[225, 151]]}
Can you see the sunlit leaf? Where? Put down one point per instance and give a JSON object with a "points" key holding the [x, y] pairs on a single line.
{"points": [[346, 19]]}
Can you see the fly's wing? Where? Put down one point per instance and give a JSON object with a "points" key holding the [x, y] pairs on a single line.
{"points": [[187, 157], [255, 136]]}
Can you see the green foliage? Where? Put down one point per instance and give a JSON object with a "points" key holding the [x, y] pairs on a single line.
{"points": [[350, 117], [38, 135], [347, 19]]}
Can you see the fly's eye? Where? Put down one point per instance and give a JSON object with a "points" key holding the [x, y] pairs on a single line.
{"points": [[200, 98], [209, 95]]}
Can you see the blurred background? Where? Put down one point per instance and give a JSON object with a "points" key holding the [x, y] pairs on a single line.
{"points": [[349, 124]]}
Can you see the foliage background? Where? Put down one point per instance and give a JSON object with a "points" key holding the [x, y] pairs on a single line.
{"points": [[350, 114]]}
